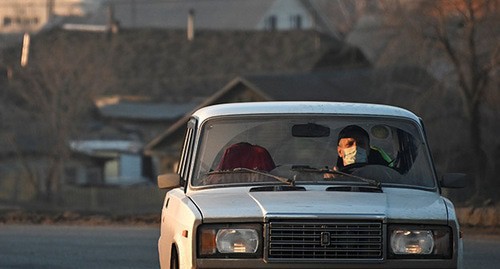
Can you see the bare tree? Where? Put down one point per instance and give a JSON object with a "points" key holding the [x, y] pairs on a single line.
{"points": [[55, 91], [462, 35], [458, 43]]}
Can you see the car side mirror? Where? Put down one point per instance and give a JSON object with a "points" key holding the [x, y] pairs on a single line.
{"points": [[168, 181], [453, 180]]}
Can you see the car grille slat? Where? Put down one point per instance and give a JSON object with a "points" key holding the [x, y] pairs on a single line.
{"points": [[325, 240]]}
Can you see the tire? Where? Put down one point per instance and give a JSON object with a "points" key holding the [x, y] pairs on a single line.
{"points": [[174, 259]]}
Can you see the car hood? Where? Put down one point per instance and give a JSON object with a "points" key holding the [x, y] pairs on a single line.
{"points": [[240, 205]]}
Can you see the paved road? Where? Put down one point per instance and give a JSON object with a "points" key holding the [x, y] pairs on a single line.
{"points": [[55, 247], [482, 252]]}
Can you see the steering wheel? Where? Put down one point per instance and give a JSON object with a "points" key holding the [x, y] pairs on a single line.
{"points": [[351, 167], [378, 172]]}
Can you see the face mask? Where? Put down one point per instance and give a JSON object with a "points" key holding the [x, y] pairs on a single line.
{"points": [[354, 155]]}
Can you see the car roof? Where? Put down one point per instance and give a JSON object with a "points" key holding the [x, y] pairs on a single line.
{"points": [[302, 107]]}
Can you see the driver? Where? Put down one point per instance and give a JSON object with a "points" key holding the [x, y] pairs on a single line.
{"points": [[353, 147]]}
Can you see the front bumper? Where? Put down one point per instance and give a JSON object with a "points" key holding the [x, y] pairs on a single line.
{"points": [[260, 263]]}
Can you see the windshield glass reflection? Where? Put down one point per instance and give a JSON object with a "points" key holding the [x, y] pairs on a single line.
{"points": [[312, 150]]}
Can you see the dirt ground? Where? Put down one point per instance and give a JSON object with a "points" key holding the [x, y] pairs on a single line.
{"points": [[473, 221], [479, 217]]}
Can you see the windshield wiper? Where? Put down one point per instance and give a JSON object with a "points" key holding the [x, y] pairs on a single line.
{"points": [[285, 180], [371, 182]]}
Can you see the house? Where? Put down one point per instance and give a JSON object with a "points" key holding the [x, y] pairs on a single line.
{"points": [[111, 152], [18, 17], [21, 16], [107, 152], [110, 162], [255, 15], [175, 74], [398, 87]]}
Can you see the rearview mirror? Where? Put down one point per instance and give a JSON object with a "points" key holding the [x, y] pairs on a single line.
{"points": [[310, 130]]}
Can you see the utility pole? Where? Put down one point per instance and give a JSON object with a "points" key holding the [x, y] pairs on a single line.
{"points": [[190, 25]]}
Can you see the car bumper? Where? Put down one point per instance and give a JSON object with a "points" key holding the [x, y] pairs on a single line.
{"points": [[260, 263]]}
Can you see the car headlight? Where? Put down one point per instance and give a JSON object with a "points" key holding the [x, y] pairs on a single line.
{"points": [[417, 241], [229, 240]]}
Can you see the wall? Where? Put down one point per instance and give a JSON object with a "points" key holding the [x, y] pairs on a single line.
{"points": [[18, 16], [283, 10]]}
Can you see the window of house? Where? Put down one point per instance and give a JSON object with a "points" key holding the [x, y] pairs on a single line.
{"points": [[130, 167], [7, 21], [296, 22], [112, 171], [94, 176], [29, 21], [125, 168], [34, 20], [271, 23], [71, 174]]}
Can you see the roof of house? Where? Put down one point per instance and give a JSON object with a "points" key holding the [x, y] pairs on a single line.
{"points": [[145, 111], [103, 147], [163, 111], [164, 65], [379, 41], [361, 85], [213, 14], [324, 86]]}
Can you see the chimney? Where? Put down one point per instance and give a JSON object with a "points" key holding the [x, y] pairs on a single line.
{"points": [[190, 25], [50, 10]]}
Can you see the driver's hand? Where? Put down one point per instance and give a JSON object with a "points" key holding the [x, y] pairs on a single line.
{"points": [[331, 175]]}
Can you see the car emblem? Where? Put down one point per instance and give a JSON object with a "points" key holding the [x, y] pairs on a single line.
{"points": [[325, 239]]}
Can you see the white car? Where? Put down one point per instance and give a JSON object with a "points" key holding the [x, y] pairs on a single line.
{"points": [[259, 186]]}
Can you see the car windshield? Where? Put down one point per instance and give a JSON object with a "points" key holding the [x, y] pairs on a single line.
{"points": [[303, 150]]}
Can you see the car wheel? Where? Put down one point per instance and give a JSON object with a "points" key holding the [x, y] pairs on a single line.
{"points": [[174, 259]]}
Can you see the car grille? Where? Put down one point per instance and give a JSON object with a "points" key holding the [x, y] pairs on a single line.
{"points": [[325, 240]]}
